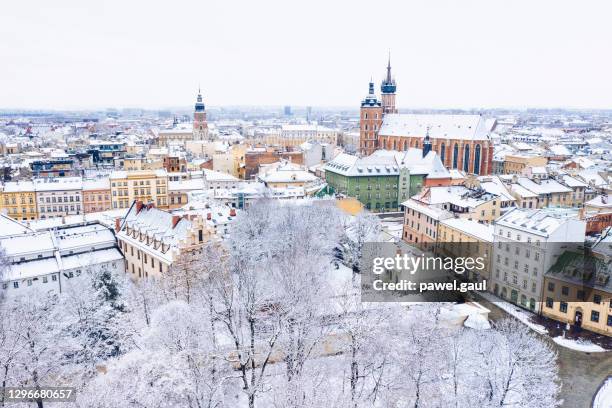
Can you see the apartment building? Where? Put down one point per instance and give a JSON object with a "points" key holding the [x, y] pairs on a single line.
{"points": [[152, 239], [516, 163], [96, 195], [550, 192], [526, 243], [18, 200], [467, 238], [142, 185], [59, 197], [47, 260], [578, 290]]}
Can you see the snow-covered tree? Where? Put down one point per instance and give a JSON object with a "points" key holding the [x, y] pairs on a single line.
{"points": [[363, 228], [172, 369]]}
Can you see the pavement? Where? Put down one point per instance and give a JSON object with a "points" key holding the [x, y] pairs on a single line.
{"points": [[581, 373]]}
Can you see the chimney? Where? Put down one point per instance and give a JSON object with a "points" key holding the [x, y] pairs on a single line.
{"points": [[117, 224], [209, 216], [139, 206], [175, 220], [232, 212]]}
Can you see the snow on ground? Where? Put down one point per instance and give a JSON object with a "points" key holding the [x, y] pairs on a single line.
{"points": [[520, 314], [603, 399], [579, 345], [478, 322]]}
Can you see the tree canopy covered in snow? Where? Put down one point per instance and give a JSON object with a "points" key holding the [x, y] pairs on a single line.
{"points": [[255, 321]]}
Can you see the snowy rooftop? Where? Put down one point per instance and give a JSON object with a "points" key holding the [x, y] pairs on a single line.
{"points": [[480, 231], [389, 163], [9, 226], [547, 186], [469, 127], [58, 184], [494, 185], [536, 221], [460, 196]]}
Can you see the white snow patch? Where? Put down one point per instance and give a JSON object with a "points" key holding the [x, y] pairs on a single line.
{"points": [[520, 314], [603, 399], [477, 321], [579, 345]]}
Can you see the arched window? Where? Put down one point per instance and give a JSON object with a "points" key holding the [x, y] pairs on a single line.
{"points": [[455, 156], [405, 145], [442, 152], [477, 159], [466, 158], [416, 144], [384, 144], [394, 145]]}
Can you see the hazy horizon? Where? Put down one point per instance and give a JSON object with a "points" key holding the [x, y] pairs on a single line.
{"points": [[476, 54]]}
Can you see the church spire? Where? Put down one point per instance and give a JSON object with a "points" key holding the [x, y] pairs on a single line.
{"points": [[426, 143], [388, 84], [389, 68]]}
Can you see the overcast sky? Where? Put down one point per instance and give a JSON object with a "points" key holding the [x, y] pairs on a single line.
{"points": [[91, 54]]}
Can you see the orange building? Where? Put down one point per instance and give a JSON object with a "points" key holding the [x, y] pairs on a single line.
{"points": [[96, 195]]}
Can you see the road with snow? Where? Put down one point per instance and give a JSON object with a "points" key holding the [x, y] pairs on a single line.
{"points": [[581, 373]]}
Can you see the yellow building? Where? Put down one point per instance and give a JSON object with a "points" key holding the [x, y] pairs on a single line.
{"points": [[134, 163], [18, 200], [579, 292], [467, 238], [144, 185], [515, 164]]}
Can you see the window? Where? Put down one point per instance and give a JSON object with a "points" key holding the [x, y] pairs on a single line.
{"points": [[53, 278], [565, 290], [549, 303], [45, 279], [563, 307], [597, 299], [610, 320], [551, 287], [580, 295], [595, 316], [16, 285]]}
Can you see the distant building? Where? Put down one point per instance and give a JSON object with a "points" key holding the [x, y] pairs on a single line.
{"points": [[105, 153], [144, 185], [287, 110], [18, 200], [384, 179], [463, 142], [59, 197], [200, 125], [53, 168], [96, 195]]}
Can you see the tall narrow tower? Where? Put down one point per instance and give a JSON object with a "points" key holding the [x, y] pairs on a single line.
{"points": [[370, 119], [200, 126], [387, 89]]}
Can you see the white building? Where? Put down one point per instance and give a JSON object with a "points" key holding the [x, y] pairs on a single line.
{"points": [[526, 243], [44, 260], [58, 197], [310, 132]]}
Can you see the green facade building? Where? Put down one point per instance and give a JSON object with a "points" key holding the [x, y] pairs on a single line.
{"points": [[385, 179]]}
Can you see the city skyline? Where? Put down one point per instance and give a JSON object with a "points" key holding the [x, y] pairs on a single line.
{"points": [[444, 55]]}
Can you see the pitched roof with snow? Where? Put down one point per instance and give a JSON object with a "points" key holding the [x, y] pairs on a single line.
{"points": [[441, 126]]}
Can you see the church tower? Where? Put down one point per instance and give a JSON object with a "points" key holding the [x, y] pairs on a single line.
{"points": [[200, 126], [370, 119], [387, 89]]}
